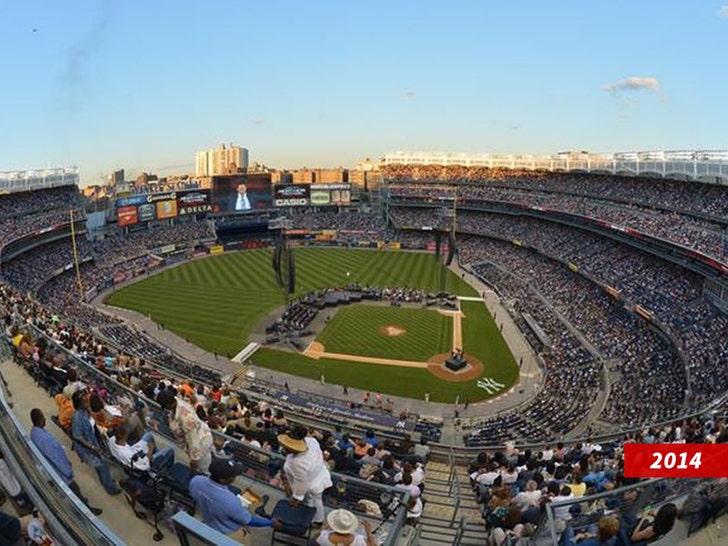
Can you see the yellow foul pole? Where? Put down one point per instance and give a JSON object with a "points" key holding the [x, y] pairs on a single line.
{"points": [[75, 258]]}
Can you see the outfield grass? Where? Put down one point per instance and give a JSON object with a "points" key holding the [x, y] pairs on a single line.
{"points": [[482, 339], [355, 330], [215, 302]]}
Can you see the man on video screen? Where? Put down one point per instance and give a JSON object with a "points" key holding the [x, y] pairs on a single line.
{"points": [[240, 200]]}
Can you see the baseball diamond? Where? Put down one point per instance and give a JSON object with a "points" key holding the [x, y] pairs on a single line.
{"points": [[217, 302]]}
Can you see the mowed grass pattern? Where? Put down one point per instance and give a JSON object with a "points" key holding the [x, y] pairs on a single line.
{"points": [[356, 330], [215, 302]]}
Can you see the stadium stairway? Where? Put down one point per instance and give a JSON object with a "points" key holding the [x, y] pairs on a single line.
{"points": [[444, 519]]}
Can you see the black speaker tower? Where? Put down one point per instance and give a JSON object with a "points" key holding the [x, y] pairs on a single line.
{"points": [[451, 250], [291, 271]]}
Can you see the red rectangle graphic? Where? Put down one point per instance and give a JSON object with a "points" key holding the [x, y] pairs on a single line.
{"points": [[675, 460]]}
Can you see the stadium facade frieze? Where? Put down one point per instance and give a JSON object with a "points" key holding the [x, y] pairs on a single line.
{"points": [[710, 165]]}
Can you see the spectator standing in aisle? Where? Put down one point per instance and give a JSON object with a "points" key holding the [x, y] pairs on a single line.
{"points": [[305, 473], [189, 429]]}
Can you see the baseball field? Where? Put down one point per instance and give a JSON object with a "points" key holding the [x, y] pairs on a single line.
{"points": [[217, 301]]}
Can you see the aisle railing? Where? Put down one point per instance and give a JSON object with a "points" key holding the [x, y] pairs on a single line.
{"points": [[261, 464]]}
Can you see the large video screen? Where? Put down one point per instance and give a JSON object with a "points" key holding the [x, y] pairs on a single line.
{"points": [[240, 193], [137, 209], [323, 195]]}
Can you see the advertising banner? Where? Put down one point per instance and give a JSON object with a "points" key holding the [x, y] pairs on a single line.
{"points": [[166, 209], [145, 198], [194, 202], [127, 215], [147, 212], [320, 198], [341, 197], [291, 195]]}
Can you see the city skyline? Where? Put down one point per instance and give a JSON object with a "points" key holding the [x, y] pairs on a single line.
{"points": [[109, 85]]}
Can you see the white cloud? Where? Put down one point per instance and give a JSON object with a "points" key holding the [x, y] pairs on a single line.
{"points": [[723, 12], [633, 83]]}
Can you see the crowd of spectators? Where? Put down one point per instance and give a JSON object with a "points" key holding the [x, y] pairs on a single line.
{"points": [[256, 424], [572, 376], [117, 245], [350, 224], [696, 222], [46, 269], [514, 488], [29, 212], [142, 346], [690, 197], [671, 293], [31, 269]]}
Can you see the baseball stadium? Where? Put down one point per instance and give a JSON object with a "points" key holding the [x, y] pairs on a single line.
{"points": [[364, 274], [469, 317]]}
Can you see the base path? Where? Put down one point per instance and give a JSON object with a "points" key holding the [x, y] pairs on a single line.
{"points": [[457, 327], [435, 364], [316, 350]]}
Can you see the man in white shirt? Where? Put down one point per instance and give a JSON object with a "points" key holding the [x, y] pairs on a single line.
{"points": [[547, 454], [415, 470], [305, 473], [142, 455], [562, 512], [488, 475], [242, 202]]}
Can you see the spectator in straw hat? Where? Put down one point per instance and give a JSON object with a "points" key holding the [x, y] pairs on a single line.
{"points": [[305, 474], [341, 529]]}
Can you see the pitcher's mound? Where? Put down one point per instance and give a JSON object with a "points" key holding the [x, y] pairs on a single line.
{"points": [[436, 366], [392, 330]]}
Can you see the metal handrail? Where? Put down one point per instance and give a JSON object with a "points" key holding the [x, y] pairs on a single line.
{"points": [[375, 489]]}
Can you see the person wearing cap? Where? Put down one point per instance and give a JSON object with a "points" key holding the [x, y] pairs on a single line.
{"points": [[221, 508], [305, 473], [341, 530], [188, 428]]}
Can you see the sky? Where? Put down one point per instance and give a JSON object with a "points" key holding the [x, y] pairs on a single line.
{"points": [[143, 85]]}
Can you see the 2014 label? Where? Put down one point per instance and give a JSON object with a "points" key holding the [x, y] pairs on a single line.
{"points": [[670, 459], [675, 460]]}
